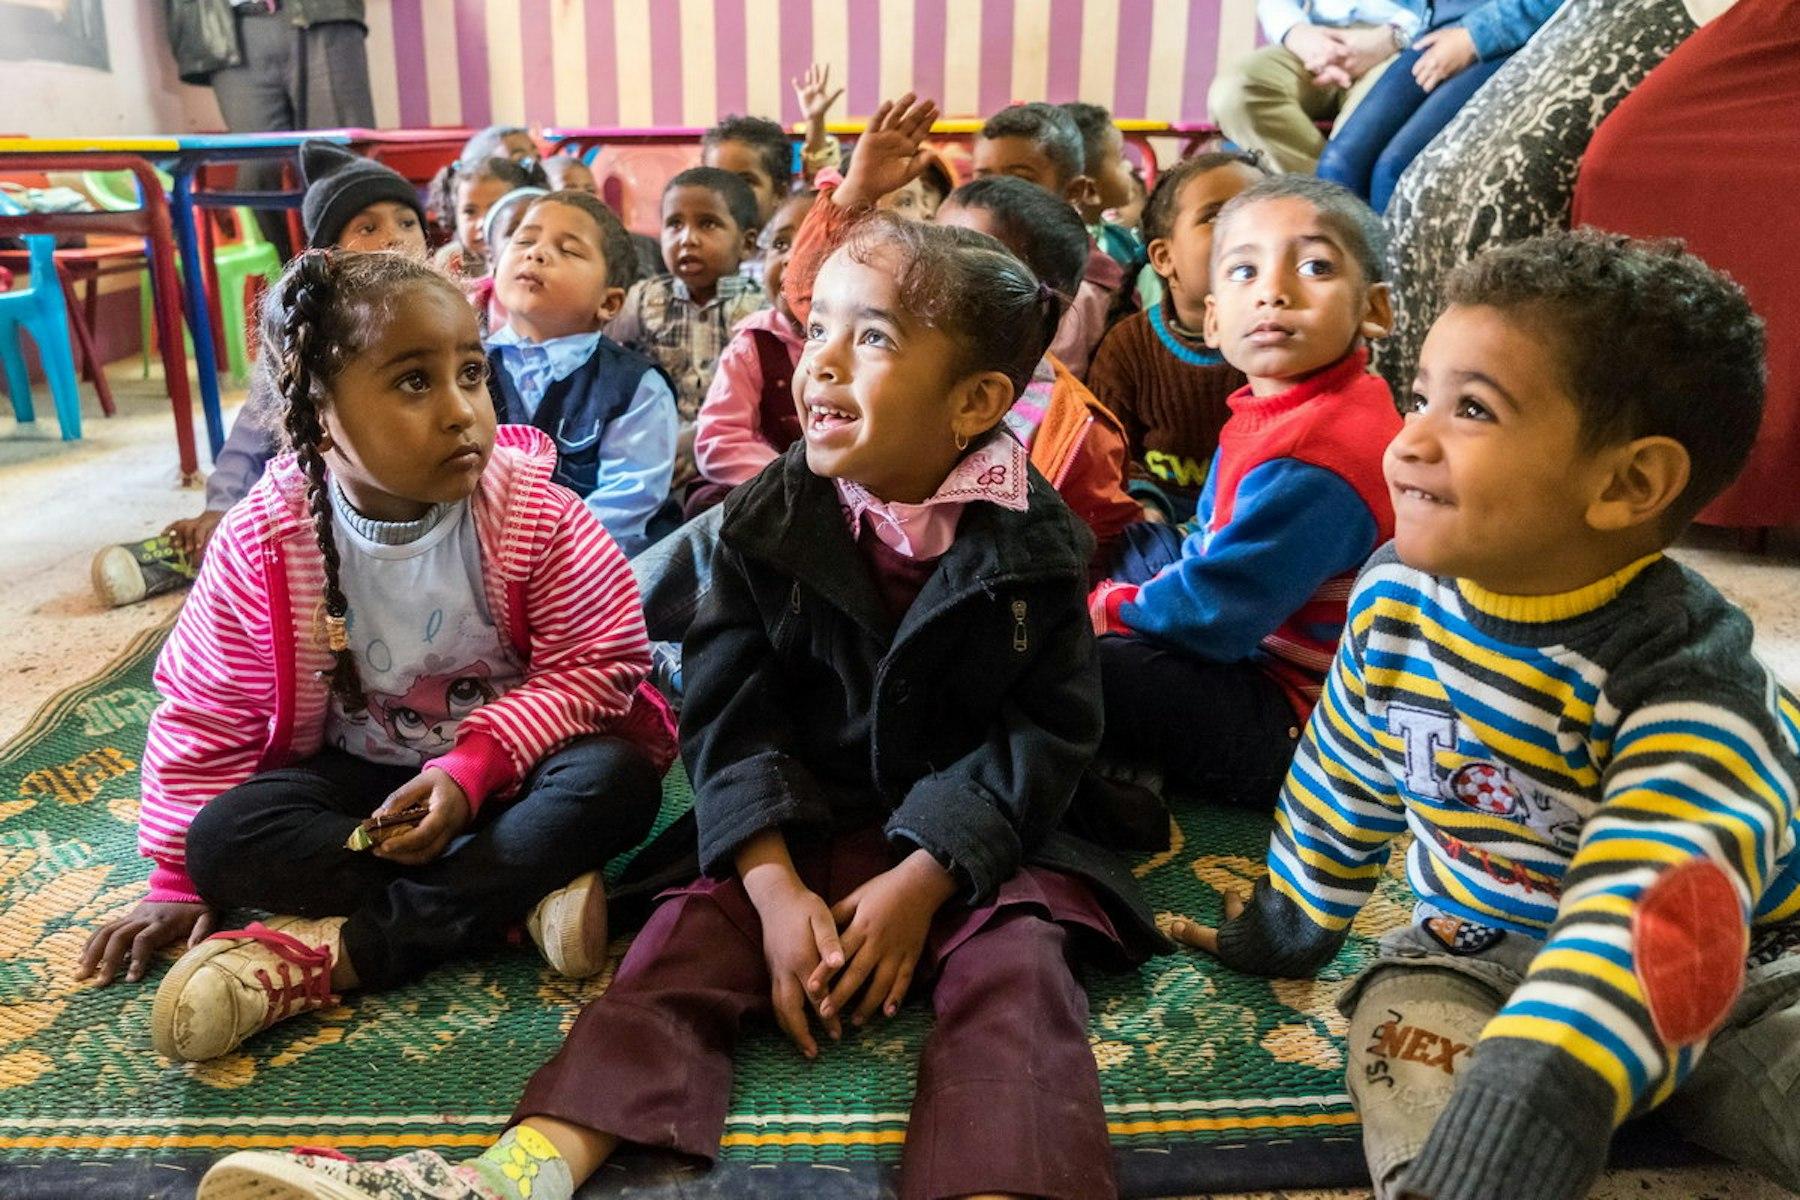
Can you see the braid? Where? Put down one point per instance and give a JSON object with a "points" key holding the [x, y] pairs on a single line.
{"points": [[309, 288]]}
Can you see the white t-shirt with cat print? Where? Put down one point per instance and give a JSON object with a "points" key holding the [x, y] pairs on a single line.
{"points": [[427, 649]]}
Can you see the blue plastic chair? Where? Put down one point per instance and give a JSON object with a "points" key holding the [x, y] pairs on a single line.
{"points": [[39, 311]]}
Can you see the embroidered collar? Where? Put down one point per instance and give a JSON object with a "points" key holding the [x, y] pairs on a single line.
{"points": [[995, 471], [1173, 341]]}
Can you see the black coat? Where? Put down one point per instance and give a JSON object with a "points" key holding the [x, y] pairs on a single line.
{"points": [[965, 727]]}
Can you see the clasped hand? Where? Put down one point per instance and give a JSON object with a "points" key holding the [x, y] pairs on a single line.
{"points": [[867, 945]]}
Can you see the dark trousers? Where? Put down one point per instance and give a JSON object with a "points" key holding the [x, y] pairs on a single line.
{"points": [[1220, 731], [276, 842], [1008, 1096], [292, 78], [1396, 119]]}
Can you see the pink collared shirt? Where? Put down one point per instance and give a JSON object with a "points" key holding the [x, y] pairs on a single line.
{"points": [[728, 443], [995, 471]]}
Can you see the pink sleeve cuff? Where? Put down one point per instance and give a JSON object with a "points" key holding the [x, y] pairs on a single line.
{"points": [[480, 765], [171, 885]]}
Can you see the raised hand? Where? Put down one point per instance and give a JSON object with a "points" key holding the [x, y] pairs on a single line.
{"points": [[889, 154], [813, 91]]}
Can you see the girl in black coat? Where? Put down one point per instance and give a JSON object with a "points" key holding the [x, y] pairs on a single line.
{"points": [[892, 690]]}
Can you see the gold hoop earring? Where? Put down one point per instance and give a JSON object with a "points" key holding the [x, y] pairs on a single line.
{"points": [[962, 443]]}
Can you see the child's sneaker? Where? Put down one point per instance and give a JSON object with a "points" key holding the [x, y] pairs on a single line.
{"points": [[569, 927], [241, 981], [327, 1175], [138, 570]]}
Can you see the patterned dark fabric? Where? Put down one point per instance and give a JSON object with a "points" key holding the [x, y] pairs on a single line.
{"points": [[1504, 168]]}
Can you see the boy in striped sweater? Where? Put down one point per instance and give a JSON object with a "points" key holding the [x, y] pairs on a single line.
{"points": [[1597, 773]]}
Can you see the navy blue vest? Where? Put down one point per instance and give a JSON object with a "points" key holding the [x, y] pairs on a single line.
{"points": [[576, 409]]}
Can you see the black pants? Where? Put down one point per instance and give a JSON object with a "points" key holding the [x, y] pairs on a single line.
{"points": [[276, 842], [1220, 731]]}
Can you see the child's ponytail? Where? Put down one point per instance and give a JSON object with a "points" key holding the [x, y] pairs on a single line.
{"points": [[307, 294], [969, 285]]}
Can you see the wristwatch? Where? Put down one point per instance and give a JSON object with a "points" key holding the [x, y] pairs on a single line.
{"points": [[1399, 37]]}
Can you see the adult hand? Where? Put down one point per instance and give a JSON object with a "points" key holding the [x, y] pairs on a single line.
{"points": [[190, 534], [1319, 49], [800, 945], [884, 924], [141, 933], [1447, 52], [813, 91], [1190, 932], [1364, 49], [889, 153], [447, 816]]}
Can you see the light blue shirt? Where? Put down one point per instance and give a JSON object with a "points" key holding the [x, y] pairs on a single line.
{"points": [[637, 448], [1279, 16]]}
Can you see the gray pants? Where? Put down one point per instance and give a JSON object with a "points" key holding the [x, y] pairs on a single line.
{"points": [[1417, 1013], [292, 78]]}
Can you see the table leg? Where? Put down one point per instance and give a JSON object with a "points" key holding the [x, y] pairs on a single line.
{"points": [[198, 312], [167, 294]]}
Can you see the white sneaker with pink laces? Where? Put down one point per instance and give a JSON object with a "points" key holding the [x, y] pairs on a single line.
{"points": [[241, 981]]}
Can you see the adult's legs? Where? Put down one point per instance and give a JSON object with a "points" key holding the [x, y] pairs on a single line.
{"points": [[333, 90], [1434, 111], [257, 96], [1008, 1096], [1222, 731], [1267, 101], [1358, 140]]}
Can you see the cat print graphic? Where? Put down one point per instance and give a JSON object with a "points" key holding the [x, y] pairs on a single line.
{"points": [[423, 719]]}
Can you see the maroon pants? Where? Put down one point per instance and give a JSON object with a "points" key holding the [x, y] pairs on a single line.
{"points": [[1008, 1095]]}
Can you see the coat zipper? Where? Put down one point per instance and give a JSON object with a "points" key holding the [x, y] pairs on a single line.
{"points": [[1020, 641]]}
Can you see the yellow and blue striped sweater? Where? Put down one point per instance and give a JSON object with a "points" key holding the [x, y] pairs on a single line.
{"points": [[1553, 756]]}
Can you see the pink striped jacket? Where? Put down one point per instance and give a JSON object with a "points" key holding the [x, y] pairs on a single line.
{"points": [[243, 676]]}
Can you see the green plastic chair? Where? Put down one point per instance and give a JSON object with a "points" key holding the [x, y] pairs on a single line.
{"points": [[236, 264]]}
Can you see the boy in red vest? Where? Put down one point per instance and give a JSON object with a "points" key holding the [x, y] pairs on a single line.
{"points": [[1223, 629]]}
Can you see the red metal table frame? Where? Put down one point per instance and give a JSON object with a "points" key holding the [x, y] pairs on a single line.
{"points": [[152, 223]]}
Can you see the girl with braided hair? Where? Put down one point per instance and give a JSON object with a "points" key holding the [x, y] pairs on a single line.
{"points": [[404, 619]]}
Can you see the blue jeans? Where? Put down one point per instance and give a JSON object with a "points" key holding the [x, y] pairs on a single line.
{"points": [[1368, 152]]}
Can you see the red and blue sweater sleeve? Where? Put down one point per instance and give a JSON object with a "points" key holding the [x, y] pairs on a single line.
{"points": [[1293, 526]]}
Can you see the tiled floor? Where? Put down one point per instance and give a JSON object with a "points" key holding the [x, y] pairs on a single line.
{"points": [[59, 502]]}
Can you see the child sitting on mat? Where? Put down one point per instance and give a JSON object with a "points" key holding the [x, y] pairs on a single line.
{"points": [[891, 693], [405, 615], [1598, 775]]}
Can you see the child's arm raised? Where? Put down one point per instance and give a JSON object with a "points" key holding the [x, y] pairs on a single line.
{"points": [[887, 156], [813, 90]]}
